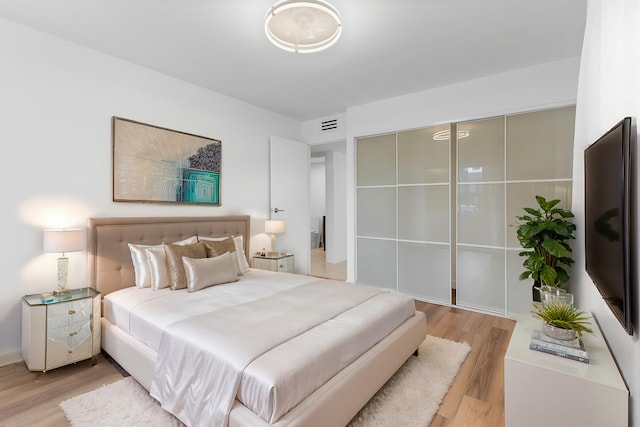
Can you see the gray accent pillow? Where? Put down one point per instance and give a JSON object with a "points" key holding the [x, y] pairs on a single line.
{"points": [[202, 273], [218, 247], [177, 277]]}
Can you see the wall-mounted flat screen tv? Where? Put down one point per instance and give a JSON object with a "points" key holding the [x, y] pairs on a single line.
{"points": [[608, 208]]}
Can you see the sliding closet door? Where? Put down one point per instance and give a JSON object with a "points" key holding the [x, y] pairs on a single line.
{"points": [[403, 212], [539, 162], [424, 248], [419, 190], [480, 259], [376, 199], [502, 164]]}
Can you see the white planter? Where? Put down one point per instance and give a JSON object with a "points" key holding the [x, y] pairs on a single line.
{"points": [[559, 333]]}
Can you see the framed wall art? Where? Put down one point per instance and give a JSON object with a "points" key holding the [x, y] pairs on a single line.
{"points": [[154, 164]]}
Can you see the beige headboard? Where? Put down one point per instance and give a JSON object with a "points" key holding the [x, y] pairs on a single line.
{"points": [[110, 265]]}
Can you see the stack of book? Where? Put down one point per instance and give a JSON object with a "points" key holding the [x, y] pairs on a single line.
{"points": [[568, 349]]}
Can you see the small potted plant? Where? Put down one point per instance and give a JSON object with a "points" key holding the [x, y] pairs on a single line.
{"points": [[562, 321], [546, 230]]}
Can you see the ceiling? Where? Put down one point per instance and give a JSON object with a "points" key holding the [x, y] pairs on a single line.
{"points": [[387, 48]]}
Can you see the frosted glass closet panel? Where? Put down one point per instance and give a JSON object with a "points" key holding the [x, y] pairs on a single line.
{"points": [[376, 160], [421, 158], [376, 212], [519, 295], [480, 278], [481, 150], [423, 213], [424, 271], [376, 201], [376, 265], [481, 214], [523, 194], [540, 144]]}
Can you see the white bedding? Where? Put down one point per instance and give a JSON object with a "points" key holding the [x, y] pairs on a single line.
{"points": [[274, 380], [145, 313]]}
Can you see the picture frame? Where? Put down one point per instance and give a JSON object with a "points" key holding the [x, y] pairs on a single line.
{"points": [[153, 164]]}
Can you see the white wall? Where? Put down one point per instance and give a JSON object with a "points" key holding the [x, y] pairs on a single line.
{"points": [[336, 208], [543, 86], [318, 192], [608, 90], [56, 103]]}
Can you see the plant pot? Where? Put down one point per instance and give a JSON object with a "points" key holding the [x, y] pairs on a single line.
{"points": [[535, 292], [551, 295], [559, 333]]}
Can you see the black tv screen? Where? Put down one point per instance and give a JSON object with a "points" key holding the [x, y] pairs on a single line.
{"points": [[608, 209]]}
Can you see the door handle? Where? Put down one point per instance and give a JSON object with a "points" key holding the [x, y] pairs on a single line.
{"points": [[276, 210]]}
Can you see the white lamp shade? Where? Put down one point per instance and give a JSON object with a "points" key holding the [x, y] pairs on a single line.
{"points": [[61, 241], [274, 226]]}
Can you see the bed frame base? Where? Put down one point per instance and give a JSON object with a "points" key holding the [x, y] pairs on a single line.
{"points": [[333, 404]]}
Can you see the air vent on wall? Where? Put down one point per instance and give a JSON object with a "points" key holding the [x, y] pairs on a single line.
{"points": [[328, 125]]}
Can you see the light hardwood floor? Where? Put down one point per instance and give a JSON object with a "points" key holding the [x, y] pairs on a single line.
{"points": [[476, 397]]}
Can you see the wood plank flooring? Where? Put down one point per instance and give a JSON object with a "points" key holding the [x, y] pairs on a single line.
{"points": [[476, 397]]}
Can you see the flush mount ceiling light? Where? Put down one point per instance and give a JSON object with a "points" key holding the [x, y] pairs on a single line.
{"points": [[303, 26]]}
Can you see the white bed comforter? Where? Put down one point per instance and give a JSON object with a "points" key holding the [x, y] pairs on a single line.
{"points": [[269, 348]]}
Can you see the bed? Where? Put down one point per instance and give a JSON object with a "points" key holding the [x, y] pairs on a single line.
{"points": [[333, 402]]}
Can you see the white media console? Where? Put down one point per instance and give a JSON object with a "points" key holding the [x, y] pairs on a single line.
{"points": [[544, 389]]}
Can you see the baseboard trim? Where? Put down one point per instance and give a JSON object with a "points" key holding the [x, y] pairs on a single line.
{"points": [[11, 357]]}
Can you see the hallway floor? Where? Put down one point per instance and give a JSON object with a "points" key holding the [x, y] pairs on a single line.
{"points": [[320, 267]]}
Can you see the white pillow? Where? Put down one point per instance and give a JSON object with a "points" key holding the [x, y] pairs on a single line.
{"points": [[243, 264], [205, 272], [141, 267], [158, 267], [242, 258]]}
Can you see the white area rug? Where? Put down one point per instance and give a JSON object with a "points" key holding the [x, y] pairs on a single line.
{"points": [[410, 398], [121, 404], [413, 395]]}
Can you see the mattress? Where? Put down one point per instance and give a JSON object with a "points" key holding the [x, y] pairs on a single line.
{"points": [[280, 378]]}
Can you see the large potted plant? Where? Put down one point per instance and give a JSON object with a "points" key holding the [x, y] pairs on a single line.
{"points": [[545, 232]]}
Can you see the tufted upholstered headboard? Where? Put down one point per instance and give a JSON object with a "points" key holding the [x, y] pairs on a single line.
{"points": [[110, 265]]}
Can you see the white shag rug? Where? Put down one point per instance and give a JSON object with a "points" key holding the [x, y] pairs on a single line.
{"points": [[410, 398]]}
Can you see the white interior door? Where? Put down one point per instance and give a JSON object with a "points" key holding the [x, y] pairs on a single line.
{"points": [[289, 198]]}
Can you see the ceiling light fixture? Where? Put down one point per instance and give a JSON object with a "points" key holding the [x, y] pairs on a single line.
{"points": [[444, 135], [303, 26]]}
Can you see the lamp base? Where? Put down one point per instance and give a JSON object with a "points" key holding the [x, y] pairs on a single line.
{"points": [[63, 274]]}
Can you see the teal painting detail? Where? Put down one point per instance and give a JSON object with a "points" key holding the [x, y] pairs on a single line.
{"points": [[201, 186]]}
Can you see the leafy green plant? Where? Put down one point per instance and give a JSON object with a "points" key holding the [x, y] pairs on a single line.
{"points": [[546, 230], [563, 316]]}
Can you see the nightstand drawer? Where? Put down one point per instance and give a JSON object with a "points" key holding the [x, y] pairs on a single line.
{"points": [[286, 264], [283, 263], [59, 353], [70, 315], [264, 264]]}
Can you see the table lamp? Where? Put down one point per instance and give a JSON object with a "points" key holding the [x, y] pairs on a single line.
{"points": [[274, 227], [62, 241]]}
